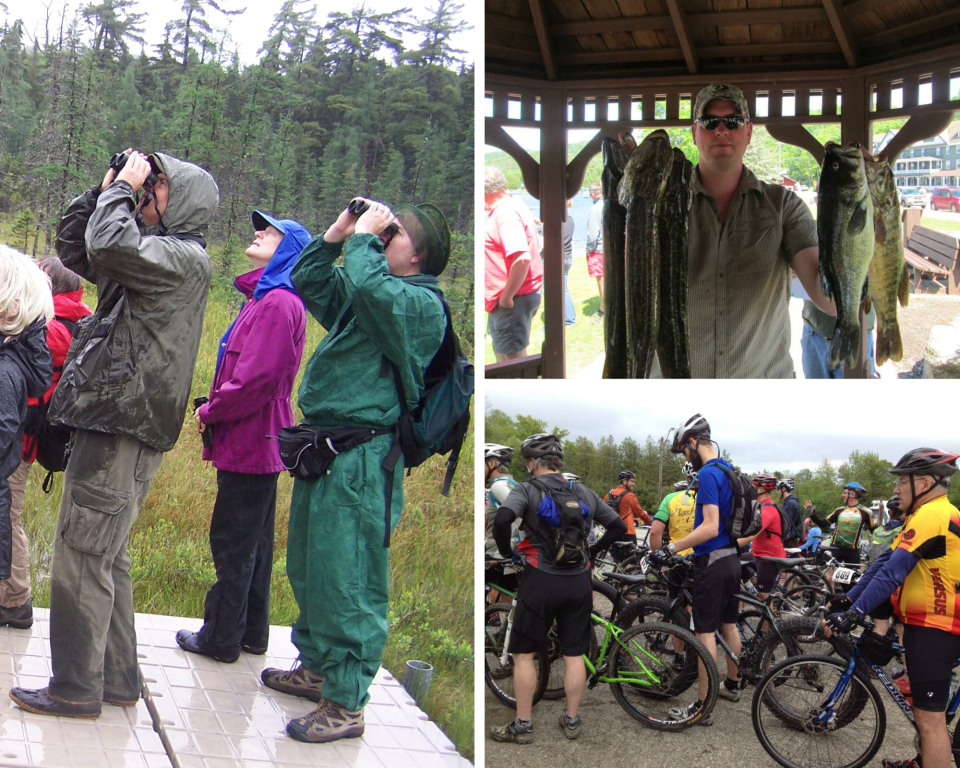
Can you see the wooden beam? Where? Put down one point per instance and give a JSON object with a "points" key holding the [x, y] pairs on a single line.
{"points": [[577, 168], [857, 7], [913, 29], [514, 54], [553, 210], [695, 20], [918, 128], [798, 136], [842, 30], [508, 24], [610, 26], [766, 49], [495, 136], [623, 57], [543, 37], [679, 17]]}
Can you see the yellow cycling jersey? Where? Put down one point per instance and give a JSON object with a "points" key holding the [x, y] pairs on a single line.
{"points": [[928, 596], [676, 512]]}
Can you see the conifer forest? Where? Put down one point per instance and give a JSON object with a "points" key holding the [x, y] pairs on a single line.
{"points": [[351, 103]]}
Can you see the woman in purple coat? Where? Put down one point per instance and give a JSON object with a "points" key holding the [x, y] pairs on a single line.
{"points": [[257, 362]]}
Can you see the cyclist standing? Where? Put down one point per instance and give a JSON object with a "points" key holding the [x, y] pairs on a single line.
{"points": [[716, 574], [623, 501], [499, 483], [791, 510], [851, 521], [555, 584], [920, 573], [674, 518], [768, 541]]}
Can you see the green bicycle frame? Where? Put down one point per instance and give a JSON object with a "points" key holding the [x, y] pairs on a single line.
{"points": [[643, 676]]}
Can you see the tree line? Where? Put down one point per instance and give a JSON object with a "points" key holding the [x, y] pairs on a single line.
{"points": [[597, 465], [333, 108]]}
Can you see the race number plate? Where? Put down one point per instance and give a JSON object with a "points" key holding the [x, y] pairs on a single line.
{"points": [[843, 575], [644, 565]]}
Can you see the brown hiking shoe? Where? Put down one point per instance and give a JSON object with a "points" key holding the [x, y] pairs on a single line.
{"points": [[298, 681], [328, 722]]}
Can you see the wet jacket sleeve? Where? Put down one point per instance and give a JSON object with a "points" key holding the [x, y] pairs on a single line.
{"points": [[71, 234], [117, 249], [268, 353], [895, 567], [319, 283], [405, 322]]}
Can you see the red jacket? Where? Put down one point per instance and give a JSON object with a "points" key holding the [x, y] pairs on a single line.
{"points": [[66, 306]]}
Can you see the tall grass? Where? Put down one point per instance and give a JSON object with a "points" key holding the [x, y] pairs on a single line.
{"points": [[431, 602]]}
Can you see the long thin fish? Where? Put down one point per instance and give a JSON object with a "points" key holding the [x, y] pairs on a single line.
{"points": [[845, 235], [642, 187], [615, 157], [888, 271], [673, 339]]}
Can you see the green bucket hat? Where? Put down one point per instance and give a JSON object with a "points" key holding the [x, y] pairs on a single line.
{"points": [[436, 236]]}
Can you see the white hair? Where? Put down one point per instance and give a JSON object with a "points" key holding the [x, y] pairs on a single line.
{"points": [[25, 292]]}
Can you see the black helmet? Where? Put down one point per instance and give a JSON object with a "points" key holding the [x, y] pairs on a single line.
{"points": [[695, 426], [893, 504], [786, 483], [626, 474], [501, 453], [926, 461], [538, 446]]}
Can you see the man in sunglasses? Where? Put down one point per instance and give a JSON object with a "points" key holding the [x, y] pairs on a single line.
{"points": [[745, 238]]}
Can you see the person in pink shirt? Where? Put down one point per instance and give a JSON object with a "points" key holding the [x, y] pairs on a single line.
{"points": [[513, 270]]}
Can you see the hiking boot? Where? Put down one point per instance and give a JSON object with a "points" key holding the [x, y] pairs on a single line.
{"points": [[256, 650], [570, 730], [513, 733], [192, 642], [684, 713], [298, 681], [328, 722], [726, 693], [18, 618], [119, 701], [41, 702]]}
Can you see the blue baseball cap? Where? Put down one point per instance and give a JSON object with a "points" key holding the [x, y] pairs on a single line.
{"points": [[261, 220]]}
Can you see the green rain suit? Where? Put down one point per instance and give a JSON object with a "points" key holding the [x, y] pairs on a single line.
{"points": [[336, 561]]}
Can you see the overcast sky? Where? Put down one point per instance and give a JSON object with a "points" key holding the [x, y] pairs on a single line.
{"points": [[768, 425], [248, 29]]}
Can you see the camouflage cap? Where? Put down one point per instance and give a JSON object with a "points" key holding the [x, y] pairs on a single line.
{"points": [[720, 91]]}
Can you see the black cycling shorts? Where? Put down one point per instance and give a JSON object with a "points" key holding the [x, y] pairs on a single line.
{"points": [[714, 592], [849, 556], [545, 598], [934, 652], [882, 611], [767, 574]]}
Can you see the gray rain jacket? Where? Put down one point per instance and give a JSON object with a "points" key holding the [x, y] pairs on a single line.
{"points": [[130, 365]]}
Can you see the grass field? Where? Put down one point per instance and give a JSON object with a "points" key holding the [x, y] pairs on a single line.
{"points": [[431, 605]]}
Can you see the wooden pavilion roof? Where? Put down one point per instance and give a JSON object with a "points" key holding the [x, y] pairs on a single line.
{"points": [[561, 40]]}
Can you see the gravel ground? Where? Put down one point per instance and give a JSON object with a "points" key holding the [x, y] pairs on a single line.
{"points": [[610, 738]]}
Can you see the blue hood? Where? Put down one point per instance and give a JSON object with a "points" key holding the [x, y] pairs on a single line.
{"points": [[277, 272]]}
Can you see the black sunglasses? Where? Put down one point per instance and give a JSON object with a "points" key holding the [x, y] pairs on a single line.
{"points": [[731, 122]]}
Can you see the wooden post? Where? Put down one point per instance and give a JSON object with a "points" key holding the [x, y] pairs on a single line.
{"points": [[553, 210]]}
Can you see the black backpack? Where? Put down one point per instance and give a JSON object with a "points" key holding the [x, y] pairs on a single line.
{"points": [[744, 517], [784, 523], [562, 525], [51, 442], [614, 501]]}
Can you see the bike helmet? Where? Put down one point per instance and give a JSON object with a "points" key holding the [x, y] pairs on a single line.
{"points": [[570, 477], [626, 474], [538, 446], [766, 482], [893, 504], [695, 426], [681, 486], [926, 461], [500, 453], [688, 470], [858, 489], [808, 521], [787, 483]]}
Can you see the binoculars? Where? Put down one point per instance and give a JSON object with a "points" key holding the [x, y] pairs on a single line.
{"points": [[120, 159], [358, 206]]}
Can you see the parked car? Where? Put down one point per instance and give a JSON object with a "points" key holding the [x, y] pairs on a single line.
{"points": [[913, 197], [945, 199]]}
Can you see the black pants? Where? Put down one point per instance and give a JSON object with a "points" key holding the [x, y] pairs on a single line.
{"points": [[237, 608]]}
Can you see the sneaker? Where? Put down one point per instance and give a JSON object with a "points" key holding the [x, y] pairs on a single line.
{"points": [[513, 733], [328, 722], [571, 731], [17, 618], [679, 661], [684, 713], [891, 763], [298, 681], [726, 693]]}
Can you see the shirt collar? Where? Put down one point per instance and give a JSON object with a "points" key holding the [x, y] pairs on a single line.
{"points": [[748, 181]]}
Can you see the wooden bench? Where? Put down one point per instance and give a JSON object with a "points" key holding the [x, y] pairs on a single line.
{"points": [[529, 367], [932, 259]]}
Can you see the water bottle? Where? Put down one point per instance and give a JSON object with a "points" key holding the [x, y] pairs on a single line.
{"points": [[904, 685]]}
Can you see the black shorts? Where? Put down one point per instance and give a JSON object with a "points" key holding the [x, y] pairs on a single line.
{"points": [[934, 652], [545, 598], [714, 592], [883, 611], [767, 574], [849, 556], [510, 328]]}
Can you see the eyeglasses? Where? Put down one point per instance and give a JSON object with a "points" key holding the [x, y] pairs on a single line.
{"points": [[731, 122]]}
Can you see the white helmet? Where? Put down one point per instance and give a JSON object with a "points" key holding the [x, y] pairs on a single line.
{"points": [[570, 477], [688, 470], [501, 453], [695, 426]]}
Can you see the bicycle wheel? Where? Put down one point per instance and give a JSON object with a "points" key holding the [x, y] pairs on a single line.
{"points": [[557, 667], [499, 676], [813, 737], [748, 625], [604, 598], [650, 688], [802, 601], [801, 636], [652, 608]]}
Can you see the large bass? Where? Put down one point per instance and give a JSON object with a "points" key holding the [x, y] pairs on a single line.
{"points": [[673, 338], [888, 271], [615, 157], [644, 179], [845, 234]]}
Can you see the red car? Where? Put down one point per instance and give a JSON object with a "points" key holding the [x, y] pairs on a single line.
{"points": [[945, 199]]}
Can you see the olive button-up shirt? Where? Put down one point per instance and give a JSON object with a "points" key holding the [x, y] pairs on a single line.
{"points": [[739, 278]]}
